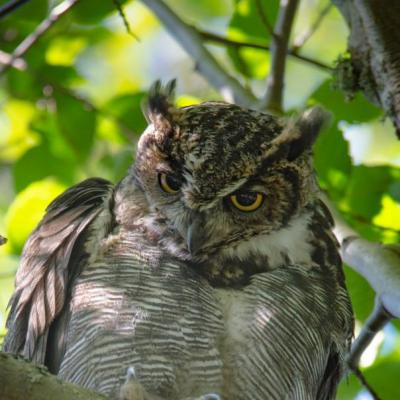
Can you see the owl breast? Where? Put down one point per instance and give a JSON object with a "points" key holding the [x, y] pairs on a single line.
{"points": [[134, 309]]}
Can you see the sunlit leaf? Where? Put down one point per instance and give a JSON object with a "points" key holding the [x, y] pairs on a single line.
{"points": [[28, 209], [15, 134], [63, 51]]}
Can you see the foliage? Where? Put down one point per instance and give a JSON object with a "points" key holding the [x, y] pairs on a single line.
{"points": [[75, 112]]}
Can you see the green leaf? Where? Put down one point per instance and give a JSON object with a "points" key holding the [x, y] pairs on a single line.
{"points": [[77, 123], [355, 111], [349, 388], [38, 163], [33, 10], [128, 109], [86, 12], [332, 161], [366, 188], [28, 209], [383, 377], [60, 74], [361, 294], [248, 25], [23, 85]]}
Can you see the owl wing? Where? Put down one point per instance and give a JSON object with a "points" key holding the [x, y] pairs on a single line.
{"points": [[50, 261]]}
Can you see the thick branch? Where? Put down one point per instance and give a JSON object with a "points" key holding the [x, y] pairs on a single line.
{"points": [[374, 45], [279, 48], [40, 30], [21, 380], [206, 64], [378, 263]]}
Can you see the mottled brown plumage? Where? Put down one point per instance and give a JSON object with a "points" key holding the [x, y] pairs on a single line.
{"points": [[210, 268]]}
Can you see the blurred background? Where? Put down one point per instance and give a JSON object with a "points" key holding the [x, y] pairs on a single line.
{"points": [[71, 109]]}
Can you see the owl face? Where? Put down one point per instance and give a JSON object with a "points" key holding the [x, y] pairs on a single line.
{"points": [[216, 175]]}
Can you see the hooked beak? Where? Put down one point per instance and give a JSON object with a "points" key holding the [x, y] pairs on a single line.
{"points": [[195, 234]]}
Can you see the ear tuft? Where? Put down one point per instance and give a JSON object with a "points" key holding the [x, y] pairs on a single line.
{"points": [[307, 128], [160, 109]]}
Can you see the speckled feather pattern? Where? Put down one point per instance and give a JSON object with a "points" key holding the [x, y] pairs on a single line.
{"points": [[260, 311]]}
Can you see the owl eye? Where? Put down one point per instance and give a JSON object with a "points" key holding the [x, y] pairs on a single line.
{"points": [[247, 201], [169, 183]]}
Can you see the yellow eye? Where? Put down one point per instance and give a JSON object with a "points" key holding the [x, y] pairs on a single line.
{"points": [[169, 183], [247, 201]]}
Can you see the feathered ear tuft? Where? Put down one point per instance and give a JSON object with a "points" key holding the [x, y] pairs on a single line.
{"points": [[160, 110], [299, 134], [307, 127]]}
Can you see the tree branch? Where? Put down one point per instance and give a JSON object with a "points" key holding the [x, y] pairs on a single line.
{"points": [[40, 30], [374, 45], [21, 380], [279, 48], [9, 7], [264, 17], [222, 40], [206, 64], [375, 322], [378, 263], [302, 39]]}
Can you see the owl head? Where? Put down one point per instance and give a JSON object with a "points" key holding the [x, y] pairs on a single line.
{"points": [[219, 179]]}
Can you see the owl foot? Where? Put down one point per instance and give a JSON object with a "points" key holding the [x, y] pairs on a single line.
{"points": [[132, 389]]}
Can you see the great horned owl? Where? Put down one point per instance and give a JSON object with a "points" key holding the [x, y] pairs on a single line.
{"points": [[210, 268]]}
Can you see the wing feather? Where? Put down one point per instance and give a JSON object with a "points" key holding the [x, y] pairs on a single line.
{"points": [[49, 263]]}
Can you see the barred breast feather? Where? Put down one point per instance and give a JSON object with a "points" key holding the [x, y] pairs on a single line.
{"points": [[277, 338]]}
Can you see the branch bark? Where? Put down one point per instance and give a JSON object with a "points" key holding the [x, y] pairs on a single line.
{"points": [[11, 6], [374, 45], [206, 64], [40, 30], [21, 380], [225, 41], [279, 48]]}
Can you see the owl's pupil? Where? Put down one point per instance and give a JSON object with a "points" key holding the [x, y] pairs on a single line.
{"points": [[173, 182], [246, 198]]}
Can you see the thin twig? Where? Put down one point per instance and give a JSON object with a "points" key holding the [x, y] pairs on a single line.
{"points": [[302, 39], [206, 63], [360, 376], [279, 47], [40, 30], [264, 17], [378, 263], [122, 14], [9, 7], [374, 324], [218, 39]]}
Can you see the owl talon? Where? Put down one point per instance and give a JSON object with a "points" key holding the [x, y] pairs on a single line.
{"points": [[132, 389]]}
